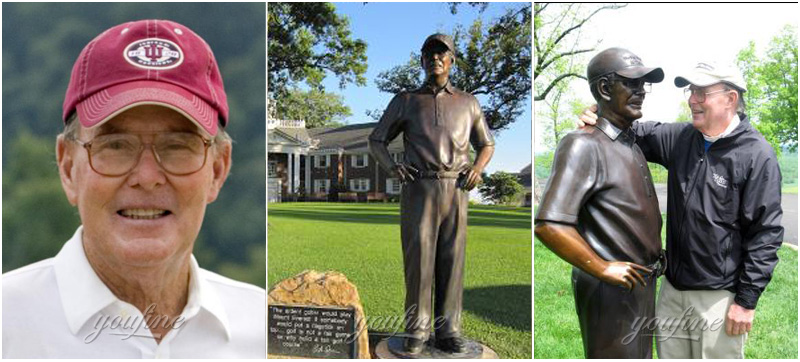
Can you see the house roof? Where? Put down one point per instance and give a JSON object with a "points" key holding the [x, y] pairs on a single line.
{"points": [[351, 138], [524, 176]]}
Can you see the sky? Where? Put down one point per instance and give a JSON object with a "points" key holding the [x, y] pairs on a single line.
{"points": [[677, 36], [392, 32]]}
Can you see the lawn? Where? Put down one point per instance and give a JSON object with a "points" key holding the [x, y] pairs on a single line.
{"points": [[363, 242], [557, 335]]}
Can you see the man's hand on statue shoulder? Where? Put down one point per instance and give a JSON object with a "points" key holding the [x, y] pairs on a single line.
{"points": [[405, 173], [739, 320], [588, 117], [624, 274]]}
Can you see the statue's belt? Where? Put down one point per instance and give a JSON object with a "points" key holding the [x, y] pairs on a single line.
{"points": [[660, 266], [439, 174]]}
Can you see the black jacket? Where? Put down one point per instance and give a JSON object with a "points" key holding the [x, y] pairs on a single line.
{"points": [[723, 207]]}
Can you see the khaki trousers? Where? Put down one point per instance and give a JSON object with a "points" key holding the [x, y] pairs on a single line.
{"points": [[694, 324]]}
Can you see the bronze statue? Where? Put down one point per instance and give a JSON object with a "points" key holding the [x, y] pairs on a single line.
{"points": [[599, 212], [438, 123]]}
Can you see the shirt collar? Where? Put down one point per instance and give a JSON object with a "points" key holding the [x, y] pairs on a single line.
{"points": [[614, 133], [731, 127], [432, 89], [83, 294]]}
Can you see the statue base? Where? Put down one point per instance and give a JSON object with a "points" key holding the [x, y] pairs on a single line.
{"points": [[392, 348]]}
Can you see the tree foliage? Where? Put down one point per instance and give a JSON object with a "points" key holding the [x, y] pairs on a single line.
{"points": [[557, 40], [306, 40], [501, 187], [491, 60], [684, 113], [771, 95], [317, 108]]}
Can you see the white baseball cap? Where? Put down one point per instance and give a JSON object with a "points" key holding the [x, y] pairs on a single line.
{"points": [[707, 73]]}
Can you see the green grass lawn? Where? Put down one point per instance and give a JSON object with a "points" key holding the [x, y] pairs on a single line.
{"points": [[363, 242], [557, 334]]}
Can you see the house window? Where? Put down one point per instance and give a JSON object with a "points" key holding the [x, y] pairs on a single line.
{"points": [[359, 161], [322, 186], [359, 185], [273, 169], [393, 186], [397, 157], [322, 161]]}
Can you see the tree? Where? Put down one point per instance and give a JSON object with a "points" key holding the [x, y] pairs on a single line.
{"points": [[501, 187], [317, 108], [492, 60], [684, 113], [771, 96], [308, 39], [556, 38]]}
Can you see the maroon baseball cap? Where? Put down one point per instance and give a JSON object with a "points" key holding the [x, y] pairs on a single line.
{"points": [[147, 62]]}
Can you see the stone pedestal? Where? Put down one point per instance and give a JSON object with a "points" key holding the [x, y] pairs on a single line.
{"points": [[392, 348], [328, 289]]}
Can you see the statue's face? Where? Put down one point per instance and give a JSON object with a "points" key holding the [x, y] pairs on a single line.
{"points": [[436, 60], [627, 97]]}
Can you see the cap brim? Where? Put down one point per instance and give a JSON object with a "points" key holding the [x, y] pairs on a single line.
{"points": [[652, 75], [432, 41], [108, 103], [697, 79]]}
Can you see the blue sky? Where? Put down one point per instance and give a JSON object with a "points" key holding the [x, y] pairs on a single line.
{"points": [[392, 32]]}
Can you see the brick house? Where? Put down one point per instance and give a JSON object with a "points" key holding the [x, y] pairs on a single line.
{"points": [[328, 163]]}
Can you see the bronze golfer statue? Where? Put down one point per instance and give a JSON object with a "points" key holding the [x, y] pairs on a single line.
{"points": [[599, 212], [438, 123]]}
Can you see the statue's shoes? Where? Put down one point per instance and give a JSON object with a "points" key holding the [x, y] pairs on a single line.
{"points": [[451, 345], [413, 345]]}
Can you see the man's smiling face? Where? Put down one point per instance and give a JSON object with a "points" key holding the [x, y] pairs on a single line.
{"points": [[147, 216]]}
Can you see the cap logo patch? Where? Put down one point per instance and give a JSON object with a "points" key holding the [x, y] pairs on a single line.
{"points": [[154, 53], [632, 60], [705, 66]]}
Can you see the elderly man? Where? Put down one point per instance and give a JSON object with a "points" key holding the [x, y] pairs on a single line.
{"points": [[142, 154], [438, 123], [724, 216], [599, 212]]}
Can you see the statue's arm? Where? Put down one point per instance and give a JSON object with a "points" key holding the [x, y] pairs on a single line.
{"points": [[388, 128], [568, 244]]}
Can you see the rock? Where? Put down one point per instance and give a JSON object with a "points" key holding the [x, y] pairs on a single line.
{"points": [[323, 289]]}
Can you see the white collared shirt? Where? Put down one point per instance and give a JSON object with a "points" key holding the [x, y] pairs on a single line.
{"points": [[59, 308]]}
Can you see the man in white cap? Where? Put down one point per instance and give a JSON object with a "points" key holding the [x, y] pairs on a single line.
{"points": [[142, 154], [724, 216]]}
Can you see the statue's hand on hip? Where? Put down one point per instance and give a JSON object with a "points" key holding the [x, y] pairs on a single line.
{"points": [[624, 274], [470, 178], [405, 173]]}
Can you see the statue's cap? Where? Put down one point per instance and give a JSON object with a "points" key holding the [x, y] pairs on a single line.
{"points": [[621, 62], [445, 39], [707, 73]]}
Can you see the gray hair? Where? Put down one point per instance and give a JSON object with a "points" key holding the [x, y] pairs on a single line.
{"points": [[72, 129], [741, 109]]}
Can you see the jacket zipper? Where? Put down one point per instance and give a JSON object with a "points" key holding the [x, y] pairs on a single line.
{"points": [[685, 202]]}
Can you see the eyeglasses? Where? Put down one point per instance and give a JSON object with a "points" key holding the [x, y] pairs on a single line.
{"points": [[699, 95], [116, 154], [633, 84]]}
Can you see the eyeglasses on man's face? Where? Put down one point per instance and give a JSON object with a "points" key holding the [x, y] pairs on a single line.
{"points": [[116, 154], [633, 84], [700, 93]]}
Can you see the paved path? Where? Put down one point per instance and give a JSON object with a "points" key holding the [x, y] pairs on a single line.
{"points": [[788, 201]]}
